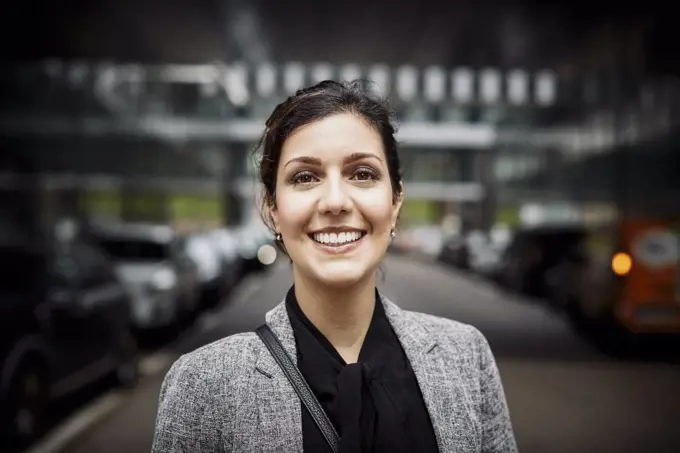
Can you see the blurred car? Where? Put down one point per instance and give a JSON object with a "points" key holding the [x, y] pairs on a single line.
{"points": [[226, 242], [254, 239], [207, 257], [455, 252], [536, 255], [154, 263], [476, 251], [65, 321], [419, 239]]}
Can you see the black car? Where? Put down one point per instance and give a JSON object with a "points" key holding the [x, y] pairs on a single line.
{"points": [[64, 323]]}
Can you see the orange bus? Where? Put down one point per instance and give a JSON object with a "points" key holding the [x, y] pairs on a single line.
{"points": [[632, 274]]}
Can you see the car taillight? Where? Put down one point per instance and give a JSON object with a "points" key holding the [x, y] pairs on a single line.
{"points": [[622, 263]]}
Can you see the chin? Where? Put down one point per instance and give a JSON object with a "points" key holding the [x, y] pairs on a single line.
{"points": [[340, 274]]}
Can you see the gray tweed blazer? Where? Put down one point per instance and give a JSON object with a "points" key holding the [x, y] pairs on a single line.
{"points": [[230, 396]]}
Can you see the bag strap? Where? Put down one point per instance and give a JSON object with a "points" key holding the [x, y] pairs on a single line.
{"points": [[300, 385]]}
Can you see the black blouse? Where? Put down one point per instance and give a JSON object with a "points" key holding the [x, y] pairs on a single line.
{"points": [[375, 404]]}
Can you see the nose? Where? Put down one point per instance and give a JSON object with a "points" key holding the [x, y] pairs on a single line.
{"points": [[334, 198]]}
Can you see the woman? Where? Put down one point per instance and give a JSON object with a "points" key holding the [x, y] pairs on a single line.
{"points": [[389, 380]]}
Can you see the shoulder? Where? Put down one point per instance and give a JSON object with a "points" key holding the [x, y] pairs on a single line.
{"points": [[197, 395], [214, 362], [444, 327], [464, 340]]}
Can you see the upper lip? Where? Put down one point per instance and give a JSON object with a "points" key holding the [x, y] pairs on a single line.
{"points": [[337, 229]]}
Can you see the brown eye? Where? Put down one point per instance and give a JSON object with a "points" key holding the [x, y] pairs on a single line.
{"points": [[365, 174], [303, 177]]}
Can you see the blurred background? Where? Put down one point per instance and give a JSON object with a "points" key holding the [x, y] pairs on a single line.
{"points": [[541, 151]]}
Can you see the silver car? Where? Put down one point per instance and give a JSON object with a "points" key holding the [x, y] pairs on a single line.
{"points": [[154, 265]]}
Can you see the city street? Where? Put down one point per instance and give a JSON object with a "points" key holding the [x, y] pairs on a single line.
{"points": [[564, 395]]}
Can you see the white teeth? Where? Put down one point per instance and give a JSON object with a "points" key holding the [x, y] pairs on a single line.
{"points": [[337, 238]]}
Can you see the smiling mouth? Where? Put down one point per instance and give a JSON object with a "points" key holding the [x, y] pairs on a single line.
{"points": [[337, 239]]}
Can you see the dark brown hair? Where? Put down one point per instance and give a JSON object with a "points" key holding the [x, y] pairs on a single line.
{"points": [[315, 103]]}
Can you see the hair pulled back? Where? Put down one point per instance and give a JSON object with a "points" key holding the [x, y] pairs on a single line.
{"points": [[313, 104]]}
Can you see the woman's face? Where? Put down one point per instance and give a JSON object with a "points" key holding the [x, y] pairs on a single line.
{"points": [[334, 200]]}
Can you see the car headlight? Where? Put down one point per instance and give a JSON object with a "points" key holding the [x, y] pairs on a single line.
{"points": [[164, 280]]}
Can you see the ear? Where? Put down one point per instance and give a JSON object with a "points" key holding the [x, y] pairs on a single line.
{"points": [[273, 212], [397, 204]]}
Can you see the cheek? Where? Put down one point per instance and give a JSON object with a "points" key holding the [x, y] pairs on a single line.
{"points": [[378, 211], [293, 213]]}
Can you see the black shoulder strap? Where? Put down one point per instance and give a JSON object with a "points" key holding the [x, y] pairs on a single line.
{"points": [[300, 385]]}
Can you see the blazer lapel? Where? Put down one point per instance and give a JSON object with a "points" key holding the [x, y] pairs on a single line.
{"points": [[443, 391], [279, 418]]}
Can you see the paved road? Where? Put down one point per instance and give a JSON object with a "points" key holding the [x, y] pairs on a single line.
{"points": [[564, 396]]}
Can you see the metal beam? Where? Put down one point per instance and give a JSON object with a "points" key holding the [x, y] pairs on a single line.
{"points": [[435, 135], [573, 141]]}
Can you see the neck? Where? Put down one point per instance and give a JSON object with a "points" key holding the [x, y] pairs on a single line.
{"points": [[341, 315]]}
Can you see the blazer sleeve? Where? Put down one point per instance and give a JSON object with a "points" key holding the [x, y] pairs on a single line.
{"points": [[497, 431], [187, 419]]}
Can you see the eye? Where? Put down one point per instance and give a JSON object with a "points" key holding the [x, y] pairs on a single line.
{"points": [[303, 177], [365, 174]]}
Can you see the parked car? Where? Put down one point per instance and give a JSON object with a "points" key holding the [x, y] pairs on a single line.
{"points": [[226, 243], [212, 284], [153, 262], [65, 321]]}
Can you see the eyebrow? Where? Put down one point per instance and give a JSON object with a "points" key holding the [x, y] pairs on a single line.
{"points": [[347, 160]]}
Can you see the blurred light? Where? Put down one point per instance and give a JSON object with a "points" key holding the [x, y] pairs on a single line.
{"points": [[293, 77], [321, 72], [380, 75], [236, 84], [265, 79], [462, 85], [545, 88], [518, 87], [435, 81], [66, 230], [350, 72], [531, 215], [164, 279], [266, 254], [407, 77], [490, 86], [622, 264]]}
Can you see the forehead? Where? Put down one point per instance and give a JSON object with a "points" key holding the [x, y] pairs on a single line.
{"points": [[333, 137]]}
